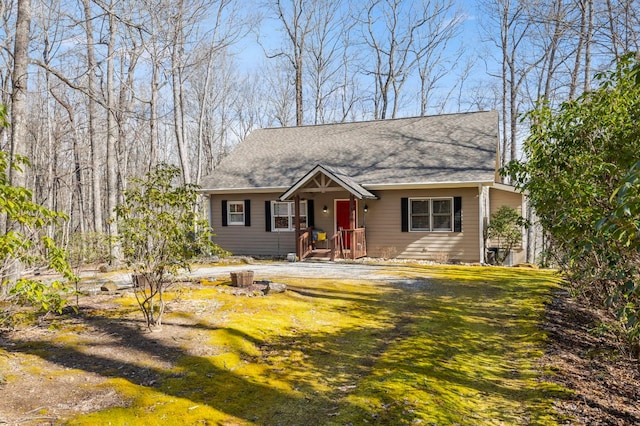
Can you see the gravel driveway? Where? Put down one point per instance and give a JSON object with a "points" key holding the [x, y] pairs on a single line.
{"points": [[91, 282], [336, 270]]}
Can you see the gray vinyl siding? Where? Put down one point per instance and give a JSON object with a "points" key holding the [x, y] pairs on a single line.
{"points": [[383, 223], [254, 240], [500, 198], [385, 239], [251, 240]]}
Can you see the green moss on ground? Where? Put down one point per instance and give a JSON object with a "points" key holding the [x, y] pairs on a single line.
{"points": [[443, 345]]}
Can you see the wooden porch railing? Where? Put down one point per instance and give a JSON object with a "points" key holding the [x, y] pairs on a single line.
{"points": [[346, 243], [336, 246], [357, 246], [304, 240]]}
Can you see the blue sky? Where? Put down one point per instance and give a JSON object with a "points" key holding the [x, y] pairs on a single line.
{"points": [[251, 56]]}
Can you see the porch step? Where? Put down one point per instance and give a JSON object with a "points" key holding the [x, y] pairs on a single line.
{"points": [[319, 254]]}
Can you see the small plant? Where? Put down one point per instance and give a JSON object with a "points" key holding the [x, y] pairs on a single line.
{"points": [[160, 233], [504, 230], [25, 243], [47, 298]]}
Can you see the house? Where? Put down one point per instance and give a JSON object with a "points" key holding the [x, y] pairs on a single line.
{"points": [[417, 188]]}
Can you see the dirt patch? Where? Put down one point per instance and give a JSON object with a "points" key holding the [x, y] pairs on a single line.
{"points": [[588, 360], [43, 380]]}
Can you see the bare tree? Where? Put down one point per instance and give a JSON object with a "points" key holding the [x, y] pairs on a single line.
{"points": [[509, 32], [19, 91], [585, 36], [297, 20], [400, 35], [434, 55], [96, 167], [18, 145], [622, 20], [112, 136], [324, 49], [281, 110]]}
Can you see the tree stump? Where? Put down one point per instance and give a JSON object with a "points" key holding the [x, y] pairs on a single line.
{"points": [[242, 278]]}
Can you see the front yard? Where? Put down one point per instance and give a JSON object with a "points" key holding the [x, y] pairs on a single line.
{"points": [[419, 345]]}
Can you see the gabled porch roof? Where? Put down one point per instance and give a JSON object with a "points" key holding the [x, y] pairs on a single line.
{"points": [[323, 178]]}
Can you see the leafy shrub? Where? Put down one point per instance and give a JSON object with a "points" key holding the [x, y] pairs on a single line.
{"points": [[160, 233], [505, 231], [46, 298], [580, 180]]}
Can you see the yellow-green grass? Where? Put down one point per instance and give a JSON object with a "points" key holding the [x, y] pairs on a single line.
{"points": [[437, 345]]}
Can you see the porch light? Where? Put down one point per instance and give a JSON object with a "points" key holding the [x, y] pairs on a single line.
{"points": [[324, 209], [366, 208]]}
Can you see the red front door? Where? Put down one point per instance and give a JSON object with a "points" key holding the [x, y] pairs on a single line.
{"points": [[343, 221]]}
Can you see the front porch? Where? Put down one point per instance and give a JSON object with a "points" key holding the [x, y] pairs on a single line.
{"points": [[346, 240], [344, 244]]}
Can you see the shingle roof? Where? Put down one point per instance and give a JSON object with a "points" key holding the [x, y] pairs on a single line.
{"points": [[434, 149]]}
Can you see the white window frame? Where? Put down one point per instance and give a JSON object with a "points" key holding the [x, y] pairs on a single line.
{"points": [[230, 213], [291, 213], [431, 214]]}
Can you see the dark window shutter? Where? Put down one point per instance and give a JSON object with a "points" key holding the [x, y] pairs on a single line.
{"points": [[224, 213], [404, 211], [267, 216], [310, 213], [247, 212], [457, 214]]}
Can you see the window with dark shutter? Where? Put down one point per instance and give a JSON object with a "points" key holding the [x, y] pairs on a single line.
{"points": [[426, 214], [282, 216]]}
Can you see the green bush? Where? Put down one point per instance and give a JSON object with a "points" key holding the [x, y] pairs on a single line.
{"points": [[505, 230], [580, 178]]}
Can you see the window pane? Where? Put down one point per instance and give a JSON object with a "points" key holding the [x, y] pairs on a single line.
{"points": [[281, 222], [280, 209], [419, 206], [419, 222], [441, 206], [442, 222], [236, 207], [236, 218]]}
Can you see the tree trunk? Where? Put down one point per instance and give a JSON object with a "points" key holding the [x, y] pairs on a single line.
{"points": [[96, 179], [17, 178], [112, 141], [19, 91], [177, 66]]}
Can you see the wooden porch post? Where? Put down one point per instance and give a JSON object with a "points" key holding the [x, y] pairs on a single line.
{"points": [[296, 203], [352, 224]]}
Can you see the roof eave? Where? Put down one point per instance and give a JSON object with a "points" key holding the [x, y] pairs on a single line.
{"points": [[244, 190], [371, 187], [421, 185], [506, 187]]}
